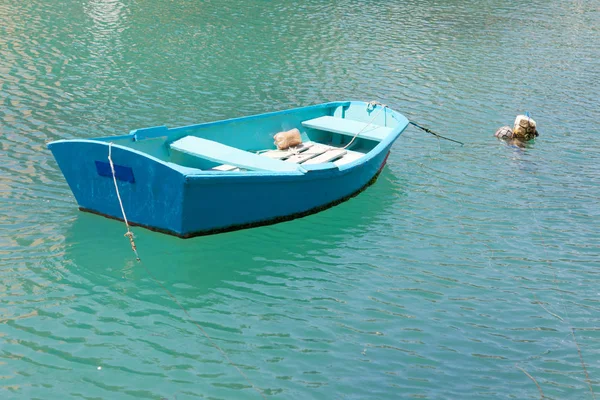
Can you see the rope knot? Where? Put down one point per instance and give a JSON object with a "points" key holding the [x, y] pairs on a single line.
{"points": [[372, 104]]}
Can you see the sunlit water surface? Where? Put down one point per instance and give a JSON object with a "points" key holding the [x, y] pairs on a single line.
{"points": [[464, 272]]}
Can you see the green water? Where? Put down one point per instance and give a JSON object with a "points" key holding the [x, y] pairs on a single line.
{"points": [[462, 270]]}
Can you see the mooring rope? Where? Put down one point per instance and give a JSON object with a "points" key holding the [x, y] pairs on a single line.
{"points": [[435, 134], [587, 376], [475, 239], [372, 104], [129, 235], [571, 328]]}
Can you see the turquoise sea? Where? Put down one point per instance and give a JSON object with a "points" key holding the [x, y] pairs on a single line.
{"points": [[463, 273]]}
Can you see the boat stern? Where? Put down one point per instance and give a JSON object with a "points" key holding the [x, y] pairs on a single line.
{"points": [[151, 190]]}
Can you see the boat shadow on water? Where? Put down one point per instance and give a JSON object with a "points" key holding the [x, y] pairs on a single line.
{"points": [[98, 252]]}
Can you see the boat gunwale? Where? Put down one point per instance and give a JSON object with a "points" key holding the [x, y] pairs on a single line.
{"points": [[261, 115], [193, 173]]}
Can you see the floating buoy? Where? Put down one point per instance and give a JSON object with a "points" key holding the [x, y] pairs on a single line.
{"points": [[504, 133], [524, 129]]}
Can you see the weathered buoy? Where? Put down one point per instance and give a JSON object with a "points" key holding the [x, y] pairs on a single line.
{"points": [[504, 133], [525, 128]]}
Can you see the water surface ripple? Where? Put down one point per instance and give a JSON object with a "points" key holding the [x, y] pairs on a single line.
{"points": [[464, 272]]}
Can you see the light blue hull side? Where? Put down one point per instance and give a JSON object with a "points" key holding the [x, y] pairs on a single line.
{"points": [[187, 201], [154, 199], [260, 200]]}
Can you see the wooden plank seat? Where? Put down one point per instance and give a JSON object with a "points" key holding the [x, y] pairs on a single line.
{"points": [[275, 154], [218, 152], [349, 127], [315, 150]]}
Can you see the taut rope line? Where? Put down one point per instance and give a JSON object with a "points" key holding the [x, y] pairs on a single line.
{"points": [[434, 134], [129, 235], [373, 104]]}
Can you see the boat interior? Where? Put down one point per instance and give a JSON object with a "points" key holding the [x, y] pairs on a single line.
{"points": [[339, 134]]}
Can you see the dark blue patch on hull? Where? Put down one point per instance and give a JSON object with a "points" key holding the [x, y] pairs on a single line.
{"points": [[122, 173]]}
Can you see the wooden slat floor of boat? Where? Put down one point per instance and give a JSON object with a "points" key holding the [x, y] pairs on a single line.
{"points": [[319, 153], [281, 154], [330, 155], [274, 154], [314, 151]]}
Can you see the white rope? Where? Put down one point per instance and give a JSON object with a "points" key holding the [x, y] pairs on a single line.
{"points": [[371, 104], [129, 234]]}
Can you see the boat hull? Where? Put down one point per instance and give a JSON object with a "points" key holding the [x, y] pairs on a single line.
{"points": [[153, 197], [187, 202], [208, 209], [238, 226]]}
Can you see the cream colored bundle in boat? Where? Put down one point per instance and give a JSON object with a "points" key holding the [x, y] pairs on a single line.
{"points": [[285, 140]]}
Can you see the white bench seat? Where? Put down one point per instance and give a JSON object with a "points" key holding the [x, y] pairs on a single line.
{"points": [[349, 127], [220, 153]]}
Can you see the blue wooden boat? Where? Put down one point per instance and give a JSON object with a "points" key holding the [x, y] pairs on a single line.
{"points": [[226, 175]]}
